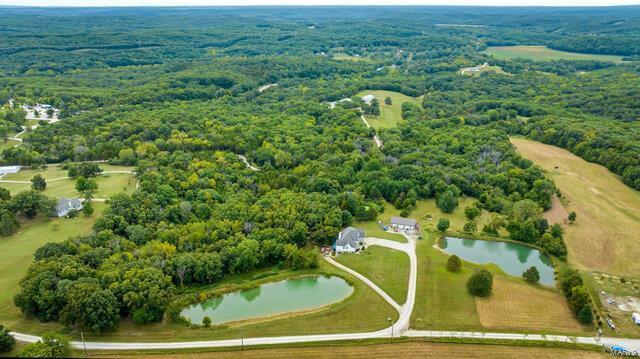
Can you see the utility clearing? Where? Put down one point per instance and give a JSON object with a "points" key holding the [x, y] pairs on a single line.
{"points": [[605, 235]]}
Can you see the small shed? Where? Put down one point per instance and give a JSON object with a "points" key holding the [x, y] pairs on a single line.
{"points": [[400, 223], [636, 318]]}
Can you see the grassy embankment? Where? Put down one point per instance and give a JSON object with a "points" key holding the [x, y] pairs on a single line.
{"points": [[59, 186], [543, 53], [390, 115], [387, 268]]}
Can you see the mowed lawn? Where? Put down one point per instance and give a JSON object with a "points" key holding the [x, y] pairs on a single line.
{"points": [[16, 253], [387, 268], [443, 303], [60, 186], [543, 53], [410, 349], [390, 115], [605, 235]]}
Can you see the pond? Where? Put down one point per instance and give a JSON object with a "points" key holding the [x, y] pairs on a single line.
{"points": [[513, 258], [270, 299]]}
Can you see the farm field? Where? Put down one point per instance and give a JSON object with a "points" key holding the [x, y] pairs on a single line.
{"points": [[442, 300], [605, 235], [16, 254], [543, 53], [346, 57], [387, 268], [518, 305], [59, 186], [409, 349], [390, 115]]}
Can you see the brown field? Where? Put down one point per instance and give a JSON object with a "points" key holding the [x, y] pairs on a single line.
{"points": [[390, 350], [605, 235], [516, 306], [557, 213]]}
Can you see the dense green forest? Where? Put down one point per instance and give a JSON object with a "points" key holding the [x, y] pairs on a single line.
{"points": [[174, 92]]}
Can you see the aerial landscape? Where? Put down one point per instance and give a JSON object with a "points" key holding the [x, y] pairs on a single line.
{"points": [[320, 181]]}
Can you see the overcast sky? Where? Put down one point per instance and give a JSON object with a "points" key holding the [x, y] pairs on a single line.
{"points": [[314, 2]]}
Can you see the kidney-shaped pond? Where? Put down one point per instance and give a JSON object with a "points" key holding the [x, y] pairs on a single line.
{"points": [[513, 258], [269, 299]]}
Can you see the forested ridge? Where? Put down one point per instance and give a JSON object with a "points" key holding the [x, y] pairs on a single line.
{"points": [[174, 92]]}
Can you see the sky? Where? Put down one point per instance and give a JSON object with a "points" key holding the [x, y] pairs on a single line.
{"points": [[315, 2]]}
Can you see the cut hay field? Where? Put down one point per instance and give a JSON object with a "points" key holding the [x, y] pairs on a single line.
{"points": [[443, 303], [543, 53], [605, 235], [387, 268], [409, 349], [515, 305], [390, 115], [59, 186]]}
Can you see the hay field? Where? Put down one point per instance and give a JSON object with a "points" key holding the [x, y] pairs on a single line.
{"points": [[605, 235], [516, 306], [543, 53]]}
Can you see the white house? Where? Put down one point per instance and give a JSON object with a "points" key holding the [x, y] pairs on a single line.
{"points": [[67, 204], [9, 169], [368, 99], [350, 240], [400, 223]]}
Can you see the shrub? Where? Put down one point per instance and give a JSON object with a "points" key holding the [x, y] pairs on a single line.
{"points": [[480, 283], [206, 321], [470, 227], [7, 341], [454, 263], [443, 224], [572, 217], [471, 212], [531, 275], [50, 346]]}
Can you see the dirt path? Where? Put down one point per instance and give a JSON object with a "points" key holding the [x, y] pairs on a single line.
{"points": [[557, 213], [376, 139]]}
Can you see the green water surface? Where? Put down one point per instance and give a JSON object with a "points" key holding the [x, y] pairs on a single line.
{"points": [[513, 258], [270, 299]]}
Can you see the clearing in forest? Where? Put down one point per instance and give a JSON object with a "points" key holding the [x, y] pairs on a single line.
{"points": [[605, 235], [543, 53], [390, 115]]}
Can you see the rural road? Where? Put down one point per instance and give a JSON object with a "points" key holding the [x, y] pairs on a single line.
{"points": [[376, 139], [399, 328], [247, 164]]}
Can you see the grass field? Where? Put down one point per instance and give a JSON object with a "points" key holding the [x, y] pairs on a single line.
{"points": [[4, 144], [481, 69], [346, 57], [16, 254], [390, 115], [605, 236], [442, 301], [516, 306], [409, 349], [543, 53], [108, 183], [387, 268]]}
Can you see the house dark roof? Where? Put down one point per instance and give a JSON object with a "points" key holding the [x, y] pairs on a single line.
{"points": [[403, 221], [351, 236], [65, 204]]}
